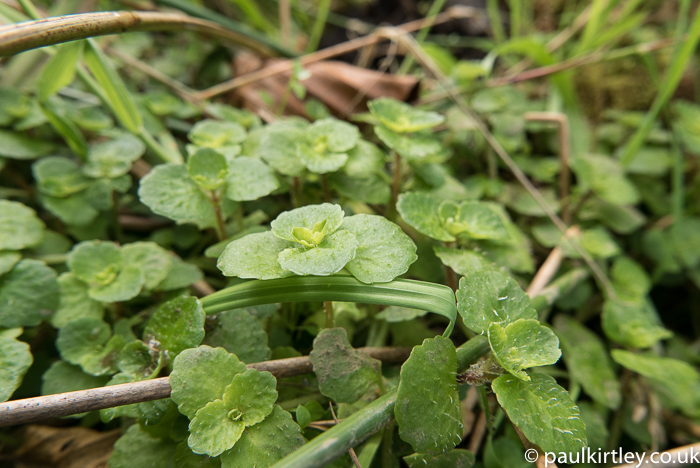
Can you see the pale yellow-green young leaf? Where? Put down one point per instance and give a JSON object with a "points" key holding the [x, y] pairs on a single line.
{"points": [[60, 71]]}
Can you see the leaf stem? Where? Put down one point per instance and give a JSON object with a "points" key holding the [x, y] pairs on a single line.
{"points": [[330, 320], [220, 225]]}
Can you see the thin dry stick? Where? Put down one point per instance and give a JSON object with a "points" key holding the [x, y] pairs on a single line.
{"points": [[28, 35], [478, 434], [202, 288], [352, 453], [550, 266], [562, 121], [330, 52], [65, 404], [428, 63], [182, 90], [542, 460], [680, 456]]}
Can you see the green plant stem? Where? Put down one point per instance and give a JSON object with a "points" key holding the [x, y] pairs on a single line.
{"points": [[330, 320], [370, 419], [220, 224], [395, 187], [494, 14], [388, 445], [319, 25], [435, 8], [677, 186], [668, 86], [29, 9], [434, 298]]}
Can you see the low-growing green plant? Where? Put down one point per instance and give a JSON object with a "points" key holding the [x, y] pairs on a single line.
{"points": [[146, 234]]}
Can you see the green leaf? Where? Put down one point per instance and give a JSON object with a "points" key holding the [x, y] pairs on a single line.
{"points": [[334, 135], [60, 70], [384, 251], [169, 191], [504, 452], [518, 199], [588, 361], [413, 147], [393, 314], [118, 97], [138, 448], [277, 145], [8, 260], [677, 380], [685, 240], [427, 402], [208, 168], [543, 411], [420, 210], [185, 458], [522, 344], [307, 217], [74, 302], [238, 332], [303, 416], [328, 258], [254, 256], [250, 397], [249, 179], [596, 241], [62, 377], [457, 458], [633, 324], [16, 146], [319, 162], [475, 219], [19, 226], [58, 177], [605, 177], [127, 285], [488, 296], [113, 158], [344, 374], [463, 261], [176, 325], [15, 359], [213, 431], [27, 294], [264, 444], [96, 262], [215, 133], [153, 261], [364, 160], [629, 278], [86, 342], [401, 117], [201, 375], [140, 361], [181, 275], [372, 189]]}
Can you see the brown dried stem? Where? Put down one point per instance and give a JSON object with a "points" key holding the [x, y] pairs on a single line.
{"points": [[65, 404]]}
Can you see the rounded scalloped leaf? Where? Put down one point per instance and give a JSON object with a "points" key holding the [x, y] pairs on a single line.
{"points": [[96, 262], [15, 359], [420, 210], [320, 162], [74, 302], [384, 251], [127, 285], [58, 177], [208, 168], [463, 262], [216, 133], [401, 117], [264, 444], [154, 261], [169, 191], [477, 220], [484, 297], [138, 448], [427, 402], [240, 333], [337, 136], [307, 217], [8, 260], [249, 179], [251, 396], [277, 145], [19, 226], [364, 160], [82, 337], [328, 258], [177, 325], [27, 293], [201, 375], [523, 344], [17, 146], [543, 411], [344, 374], [634, 324], [113, 158], [413, 147], [254, 256], [212, 431]]}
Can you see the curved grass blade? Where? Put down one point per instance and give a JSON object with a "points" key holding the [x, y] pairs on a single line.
{"points": [[434, 298]]}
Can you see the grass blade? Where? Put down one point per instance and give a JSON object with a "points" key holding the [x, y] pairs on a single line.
{"points": [[67, 129], [60, 71]]}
